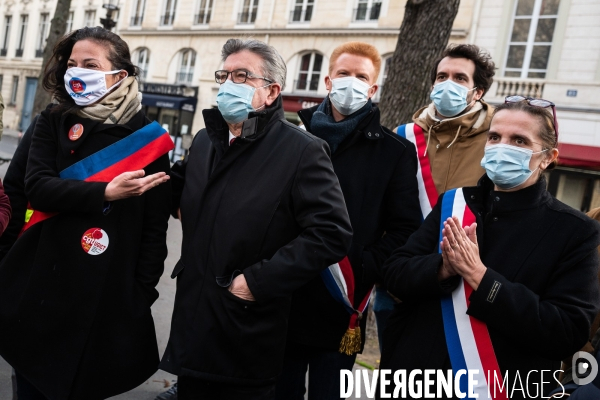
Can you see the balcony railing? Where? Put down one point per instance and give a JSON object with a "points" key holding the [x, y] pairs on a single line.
{"points": [[19, 53], [3, 52], [300, 15], [184, 78], [523, 87], [303, 85], [39, 53], [203, 18], [136, 20], [365, 14], [167, 19], [247, 17]]}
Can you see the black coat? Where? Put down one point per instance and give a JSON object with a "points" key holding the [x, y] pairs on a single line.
{"points": [[542, 253], [14, 187], [79, 326], [377, 172], [270, 207]]}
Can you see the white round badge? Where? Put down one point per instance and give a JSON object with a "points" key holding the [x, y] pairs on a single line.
{"points": [[94, 241]]}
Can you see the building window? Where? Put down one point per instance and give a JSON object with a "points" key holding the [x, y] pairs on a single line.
{"points": [[70, 22], [13, 92], [531, 38], [204, 10], [249, 10], [302, 11], [185, 72], [22, 34], [142, 59], [7, 23], [138, 12], [42, 34], [168, 15], [310, 72], [367, 10], [89, 18]]}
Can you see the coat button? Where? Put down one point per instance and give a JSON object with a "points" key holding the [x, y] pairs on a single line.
{"points": [[376, 134], [495, 219], [245, 306], [472, 197], [497, 198], [369, 134]]}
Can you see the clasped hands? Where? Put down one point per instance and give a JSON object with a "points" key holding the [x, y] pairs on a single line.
{"points": [[460, 253]]}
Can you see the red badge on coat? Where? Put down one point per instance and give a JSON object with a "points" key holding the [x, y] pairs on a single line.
{"points": [[94, 241], [75, 132]]}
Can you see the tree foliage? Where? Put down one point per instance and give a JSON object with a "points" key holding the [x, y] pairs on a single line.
{"points": [[58, 27], [423, 36]]}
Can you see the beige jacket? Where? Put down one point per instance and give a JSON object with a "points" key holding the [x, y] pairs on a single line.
{"points": [[455, 145]]}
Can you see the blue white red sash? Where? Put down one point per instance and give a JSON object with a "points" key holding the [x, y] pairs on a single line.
{"points": [[467, 338], [131, 153], [428, 194], [339, 280]]}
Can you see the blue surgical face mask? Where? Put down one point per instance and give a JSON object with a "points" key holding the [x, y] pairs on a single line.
{"points": [[348, 94], [507, 166], [234, 101], [449, 98]]}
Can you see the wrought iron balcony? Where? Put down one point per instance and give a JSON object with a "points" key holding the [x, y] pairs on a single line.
{"points": [[19, 53], [167, 19], [299, 15], [3, 52], [365, 14], [203, 18], [184, 78], [136, 20], [39, 53], [247, 17], [304, 85]]}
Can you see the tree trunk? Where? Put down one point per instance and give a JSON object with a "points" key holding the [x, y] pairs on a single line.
{"points": [[423, 36], [58, 27]]}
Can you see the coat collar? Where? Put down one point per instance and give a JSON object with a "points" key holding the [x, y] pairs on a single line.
{"points": [[252, 129], [369, 127]]}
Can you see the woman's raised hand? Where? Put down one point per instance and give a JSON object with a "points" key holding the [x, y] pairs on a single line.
{"points": [[133, 183], [462, 252]]}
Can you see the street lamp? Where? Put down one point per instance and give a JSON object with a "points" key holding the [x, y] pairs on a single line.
{"points": [[112, 6]]}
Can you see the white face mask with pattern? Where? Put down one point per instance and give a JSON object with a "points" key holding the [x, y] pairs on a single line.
{"points": [[87, 86]]}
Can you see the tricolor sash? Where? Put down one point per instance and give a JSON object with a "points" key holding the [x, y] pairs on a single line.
{"points": [[427, 192], [467, 338], [134, 152], [339, 280]]}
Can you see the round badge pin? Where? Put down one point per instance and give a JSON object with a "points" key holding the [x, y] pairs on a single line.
{"points": [[75, 132], [94, 241]]}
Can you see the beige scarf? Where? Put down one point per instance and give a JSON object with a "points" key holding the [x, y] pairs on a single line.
{"points": [[119, 106]]}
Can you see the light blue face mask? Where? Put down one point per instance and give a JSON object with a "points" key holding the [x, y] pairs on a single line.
{"points": [[507, 166], [234, 101], [348, 94], [449, 98]]}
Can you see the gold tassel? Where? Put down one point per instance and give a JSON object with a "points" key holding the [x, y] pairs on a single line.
{"points": [[351, 341]]}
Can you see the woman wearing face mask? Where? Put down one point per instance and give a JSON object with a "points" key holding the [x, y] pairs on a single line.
{"points": [[501, 278], [77, 286]]}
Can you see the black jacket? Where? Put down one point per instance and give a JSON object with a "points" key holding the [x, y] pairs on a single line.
{"points": [[270, 207], [73, 321], [377, 172], [543, 255], [14, 187]]}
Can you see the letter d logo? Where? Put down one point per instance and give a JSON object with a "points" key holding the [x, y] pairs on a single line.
{"points": [[585, 368]]}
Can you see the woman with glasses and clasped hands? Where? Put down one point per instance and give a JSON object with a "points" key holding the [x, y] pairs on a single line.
{"points": [[500, 282], [77, 286]]}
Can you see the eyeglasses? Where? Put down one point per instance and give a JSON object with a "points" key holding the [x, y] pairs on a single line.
{"points": [[237, 76], [536, 103]]}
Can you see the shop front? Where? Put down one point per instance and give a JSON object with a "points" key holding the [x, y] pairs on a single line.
{"points": [[173, 106], [293, 104]]}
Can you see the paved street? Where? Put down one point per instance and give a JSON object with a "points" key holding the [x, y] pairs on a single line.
{"points": [[161, 310]]}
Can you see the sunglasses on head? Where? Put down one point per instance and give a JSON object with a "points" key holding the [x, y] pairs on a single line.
{"points": [[536, 103]]}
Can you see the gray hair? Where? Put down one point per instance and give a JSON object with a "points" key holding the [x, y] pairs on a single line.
{"points": [[273, 65]]}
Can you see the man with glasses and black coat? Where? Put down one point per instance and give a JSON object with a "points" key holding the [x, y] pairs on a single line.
{"points": [[262, 214]]}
